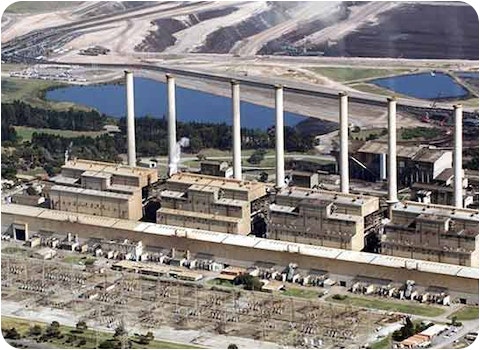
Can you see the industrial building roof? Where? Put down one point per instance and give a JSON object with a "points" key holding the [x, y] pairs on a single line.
{"points": [[442, 210], [434, 330], [315, 202], [426, 154], [254, 189], [337, 197], [207, 236], [429, 154], [89, 192], [445, 175], [172, 194], [259, 243], [381, 147], [244, 241], [282, 208], [325, 252], [95, 166], [231, 202], [60, 179], [432, 218], [125, 225], [123, 188], [203, 188], [99, 174], [196, 214], [345, 217], [159, 230]]}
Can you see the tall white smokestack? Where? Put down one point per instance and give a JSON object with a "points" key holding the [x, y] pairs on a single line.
{"points": [[392, 150], [132, 159], [457, 158], [237, 147], [279, 137], [344, 181], [172, 129]]}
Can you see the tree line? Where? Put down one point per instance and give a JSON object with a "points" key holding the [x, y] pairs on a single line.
{"points": [[152, 136], [48, 150], [22, 114]]}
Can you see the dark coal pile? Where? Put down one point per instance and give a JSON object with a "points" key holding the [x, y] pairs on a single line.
{"points": [[161, 38], [414, 31], [223, 39], [284, 44]]}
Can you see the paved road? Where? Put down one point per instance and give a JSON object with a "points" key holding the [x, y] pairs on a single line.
{"points": [[447, 343]]}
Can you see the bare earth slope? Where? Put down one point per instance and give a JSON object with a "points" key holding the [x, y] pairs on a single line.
{"points": [[366, 29]]}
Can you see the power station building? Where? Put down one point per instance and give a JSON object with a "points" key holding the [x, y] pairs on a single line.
{"points": [[441, 191], [432, 232], [325, 218], [210, 203], [99, 188], [461, 281], [414, 163]]}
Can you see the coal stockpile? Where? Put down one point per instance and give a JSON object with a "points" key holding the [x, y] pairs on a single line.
{"points": [[161, 38], [223, 39], [205, 15], [414, 31], [284, 44]]}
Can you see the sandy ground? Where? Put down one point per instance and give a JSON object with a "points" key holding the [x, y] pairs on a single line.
{"points": [[68, 318], [122, 36], [190, 38], [359, 16], [311, 10], [25, 24]]}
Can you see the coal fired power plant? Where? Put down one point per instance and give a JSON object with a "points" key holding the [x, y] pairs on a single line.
{"points": [[240, 175], [297, 228]]}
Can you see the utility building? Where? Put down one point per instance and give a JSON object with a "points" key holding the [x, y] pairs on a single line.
{"points": [[432, 232], [441, 191], [210, 203], [324, 218], [216, 168], [99, 188], [94, 202], [414, 163], [120, 174]]}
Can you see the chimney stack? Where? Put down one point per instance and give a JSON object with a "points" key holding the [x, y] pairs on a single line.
{"points": [[279, 137], [344, 173], [392, 150], [171, 117], [237, 138], [457, 158], [132, 159]]}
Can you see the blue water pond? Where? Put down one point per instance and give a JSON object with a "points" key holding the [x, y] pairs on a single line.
{"points": [[150, 99], [424, 85]]}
